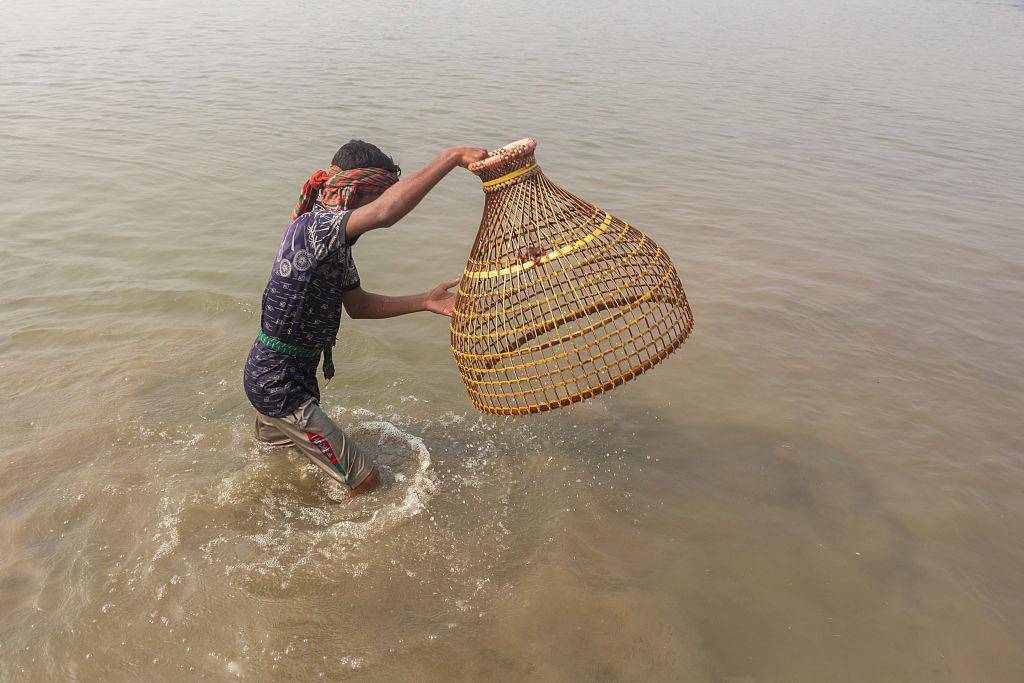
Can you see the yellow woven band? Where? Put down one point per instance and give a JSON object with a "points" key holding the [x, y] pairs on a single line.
{"points": [[509, 176], [550, 256]]}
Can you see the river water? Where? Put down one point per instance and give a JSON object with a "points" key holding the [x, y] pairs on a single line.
{"points": [[823, 484]]}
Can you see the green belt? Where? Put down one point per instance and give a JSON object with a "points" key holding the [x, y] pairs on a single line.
{"points": [[286, 348], [298, 351]]}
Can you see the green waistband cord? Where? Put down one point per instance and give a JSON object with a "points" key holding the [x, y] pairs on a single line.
{"points": [[299, 351], [286, 348]]}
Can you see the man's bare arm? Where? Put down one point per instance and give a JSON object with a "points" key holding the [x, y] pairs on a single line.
{"points": [[362, 304], [403, 196]]}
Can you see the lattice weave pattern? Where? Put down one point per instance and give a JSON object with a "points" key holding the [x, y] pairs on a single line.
{"points": [[560, 301]]}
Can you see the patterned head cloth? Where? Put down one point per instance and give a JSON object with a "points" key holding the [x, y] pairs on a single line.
{"points": [[340, 189]]}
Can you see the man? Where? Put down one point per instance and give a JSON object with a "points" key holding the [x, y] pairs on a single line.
{"points": [[313, 276]]}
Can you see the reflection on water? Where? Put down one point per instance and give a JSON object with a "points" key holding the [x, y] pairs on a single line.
{"points": [[824, 485]]}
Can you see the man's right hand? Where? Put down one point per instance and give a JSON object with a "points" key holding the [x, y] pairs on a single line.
{"points": [[467, 155]]}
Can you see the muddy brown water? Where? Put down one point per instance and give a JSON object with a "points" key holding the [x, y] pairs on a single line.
{"points": [[824, 484]]}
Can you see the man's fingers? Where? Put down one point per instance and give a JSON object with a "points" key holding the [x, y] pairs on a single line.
{"points": [[451, 283], [471, 154]]}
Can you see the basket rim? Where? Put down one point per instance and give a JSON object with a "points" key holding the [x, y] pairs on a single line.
{"points": [[520, 149]]}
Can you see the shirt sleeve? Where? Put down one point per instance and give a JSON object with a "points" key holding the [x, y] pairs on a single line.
{"points": [[325, 233]]}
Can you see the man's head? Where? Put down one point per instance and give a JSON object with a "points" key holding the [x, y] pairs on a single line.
{"points": [[359, 154], [360, 173]]}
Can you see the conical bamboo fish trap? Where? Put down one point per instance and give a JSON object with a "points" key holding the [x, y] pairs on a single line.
{"points": [[560, 301]]}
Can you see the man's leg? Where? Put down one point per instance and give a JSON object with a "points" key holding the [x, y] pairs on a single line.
{"points": [[314, 433], [267, 433]]}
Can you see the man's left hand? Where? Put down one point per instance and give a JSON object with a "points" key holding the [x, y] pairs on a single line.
{"points": [[440, 300]]}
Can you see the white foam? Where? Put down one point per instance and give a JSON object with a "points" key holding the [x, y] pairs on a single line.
{"points": [[299, 535], [418, 490], [167, 532]]}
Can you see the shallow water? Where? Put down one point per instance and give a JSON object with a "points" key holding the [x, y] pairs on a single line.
{"points": [[824, 484]]}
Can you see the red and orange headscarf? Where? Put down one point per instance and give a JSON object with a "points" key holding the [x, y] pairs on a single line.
{"points": [[340, 189]]}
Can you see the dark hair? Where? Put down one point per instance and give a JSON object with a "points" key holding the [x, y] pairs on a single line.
{"points": [[359, 154]]}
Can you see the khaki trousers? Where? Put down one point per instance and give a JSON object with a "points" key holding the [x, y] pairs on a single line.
{"points": [[310, 430]]}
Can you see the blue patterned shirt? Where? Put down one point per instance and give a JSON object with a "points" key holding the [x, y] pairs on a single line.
{"points": [[301, 306]]}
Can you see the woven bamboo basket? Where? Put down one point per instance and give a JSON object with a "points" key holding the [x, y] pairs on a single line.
{"points": [[560, 301]]}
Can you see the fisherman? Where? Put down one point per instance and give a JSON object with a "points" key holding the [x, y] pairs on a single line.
{"points": [[313, 276]]}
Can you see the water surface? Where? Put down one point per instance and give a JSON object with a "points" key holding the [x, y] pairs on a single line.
{"points": [[824, 484]]}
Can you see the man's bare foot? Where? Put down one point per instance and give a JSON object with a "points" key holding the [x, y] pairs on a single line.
{"points": [[369, 484]]}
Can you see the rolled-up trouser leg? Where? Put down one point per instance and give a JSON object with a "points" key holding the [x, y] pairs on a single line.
{"points": [[310, 430]]}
